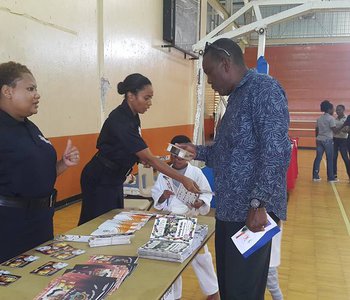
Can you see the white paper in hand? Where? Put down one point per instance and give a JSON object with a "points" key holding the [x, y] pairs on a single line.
{"points": [[182, 153], [247, 242]]}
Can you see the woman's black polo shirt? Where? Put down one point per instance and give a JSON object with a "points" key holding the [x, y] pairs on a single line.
{"points": [[120, 137], [27, 159]]}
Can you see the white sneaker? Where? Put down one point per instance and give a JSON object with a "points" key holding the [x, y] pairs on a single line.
{"points": [[334, 180], [316, 179]]}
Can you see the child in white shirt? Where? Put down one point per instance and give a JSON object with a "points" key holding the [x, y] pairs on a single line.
{"points": [[275, 261], [163, 193]]}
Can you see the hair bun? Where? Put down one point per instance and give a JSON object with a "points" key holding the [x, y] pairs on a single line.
{"points": [[133, 83], [121, 88]]}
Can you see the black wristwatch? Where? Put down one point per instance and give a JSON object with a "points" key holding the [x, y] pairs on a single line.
{"points": [[256, 203]]}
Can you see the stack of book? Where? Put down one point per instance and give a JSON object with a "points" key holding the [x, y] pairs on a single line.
{"points": [[124, 223], [173, 238], [107, 240], [96, 241], [117, 231], [101, 276]]}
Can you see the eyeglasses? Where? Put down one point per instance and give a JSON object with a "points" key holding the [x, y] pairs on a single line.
{"points": [[212, 46]]}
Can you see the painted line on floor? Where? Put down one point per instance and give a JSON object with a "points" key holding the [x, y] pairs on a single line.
{"points": [[341, 207], [340, 204]]}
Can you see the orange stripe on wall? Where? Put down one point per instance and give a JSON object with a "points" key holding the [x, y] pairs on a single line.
{"points": [[209, 125], [157, 139], [68, 184], [309, 73]]}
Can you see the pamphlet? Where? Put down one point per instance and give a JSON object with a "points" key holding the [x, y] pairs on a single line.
{"points": [[247, 242], [181, 193]]}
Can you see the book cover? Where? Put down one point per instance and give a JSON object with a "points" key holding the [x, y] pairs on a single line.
{"points": [[104, 270], [174, 228], [113, 259], [107, 240], [68, 253], [113, 231], [173, 238], [54, 247], [6, 279], [118, 272], [77, 286], [20, 261], [123, 223], [133, 216], [73, 238]]}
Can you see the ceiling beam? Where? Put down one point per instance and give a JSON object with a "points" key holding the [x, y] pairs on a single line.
{"points": [[216, 5], [302, 9]]}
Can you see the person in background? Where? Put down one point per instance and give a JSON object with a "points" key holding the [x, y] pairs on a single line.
{"points": [[346, 128], [324, 141], [28, 165], [163, 194], [340, 141], [120, 146], [275, 261], [250, 156]]}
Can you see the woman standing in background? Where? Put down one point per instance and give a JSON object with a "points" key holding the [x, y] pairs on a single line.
{"points": [[346, 127], [324, 141], [120, 146], [28, 165], [347, 122], [340, 141]]}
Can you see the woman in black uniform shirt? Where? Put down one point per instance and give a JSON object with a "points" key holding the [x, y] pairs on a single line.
{"points": [[120, 146], [28, 165]]}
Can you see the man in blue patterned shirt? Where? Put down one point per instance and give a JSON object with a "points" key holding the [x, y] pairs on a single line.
{"points": [[249, 157]]}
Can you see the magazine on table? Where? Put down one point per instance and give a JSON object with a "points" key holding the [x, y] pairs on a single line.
{"points": [[20, 261], [98, 278], [107, 240], [124, 223], [78, 286], [129, 261], [60, 250], [247, 242], [118, 272], [173, 238], [7, 278], [97, 240], [73, 238]]}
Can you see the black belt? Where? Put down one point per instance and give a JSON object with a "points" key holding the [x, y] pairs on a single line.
{"points": [[112, 165], [18, 202]]}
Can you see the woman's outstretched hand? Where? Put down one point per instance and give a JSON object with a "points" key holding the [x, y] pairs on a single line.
{"points": [[190, 185]]}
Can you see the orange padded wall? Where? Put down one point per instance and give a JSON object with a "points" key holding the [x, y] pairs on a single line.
{"points": [[68, 184], [309, 74]]}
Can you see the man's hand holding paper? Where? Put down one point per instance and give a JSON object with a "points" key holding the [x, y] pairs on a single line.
{"points": [[256, 219]]}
